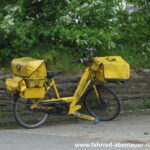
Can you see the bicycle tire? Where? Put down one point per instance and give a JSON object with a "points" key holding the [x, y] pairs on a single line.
{"points": [[19, 113], [99, 106]]}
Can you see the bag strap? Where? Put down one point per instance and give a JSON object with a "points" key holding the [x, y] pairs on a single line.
{"points": [[35, 70]]}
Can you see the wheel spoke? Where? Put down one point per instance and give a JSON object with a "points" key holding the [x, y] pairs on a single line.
{"points": [[27, 117], [107, 107]]}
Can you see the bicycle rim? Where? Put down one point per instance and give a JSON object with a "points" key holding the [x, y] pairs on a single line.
{"points": [[106, 108], [27, 117]]}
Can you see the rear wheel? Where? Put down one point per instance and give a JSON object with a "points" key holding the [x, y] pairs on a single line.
{"points": [[27, 117], [106, 107]]}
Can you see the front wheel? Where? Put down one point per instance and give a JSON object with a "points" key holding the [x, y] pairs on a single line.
{"points": [[27, 117], [105, 107]]}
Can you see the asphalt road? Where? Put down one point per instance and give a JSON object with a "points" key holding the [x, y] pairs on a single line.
{"points": [[66, 135]]}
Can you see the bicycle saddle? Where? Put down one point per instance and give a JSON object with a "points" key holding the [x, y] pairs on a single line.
{"points": [[51, 74]]}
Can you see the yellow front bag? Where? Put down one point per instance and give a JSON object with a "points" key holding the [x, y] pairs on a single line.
{"points": [[111, 68]]}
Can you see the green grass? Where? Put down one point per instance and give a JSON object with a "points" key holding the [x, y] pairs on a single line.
{"points": [[144, 105], [9, 125], [56, 60], [146, 133], [5, 114], [6, 120]]}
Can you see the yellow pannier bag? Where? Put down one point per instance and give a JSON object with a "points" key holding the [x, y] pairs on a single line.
{"points": [[15, 84], [33, 93], [111, 68], [33, 71], [18, 84], [29, 67], [33, 82]]}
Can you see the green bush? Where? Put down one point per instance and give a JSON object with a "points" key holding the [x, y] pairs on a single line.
{"points": [[38, 28]]}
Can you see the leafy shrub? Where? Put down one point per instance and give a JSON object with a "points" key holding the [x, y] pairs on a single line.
{"points": [[27, 27]]}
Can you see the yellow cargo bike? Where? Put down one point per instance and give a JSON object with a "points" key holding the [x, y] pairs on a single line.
{"points": [[33, 102]]}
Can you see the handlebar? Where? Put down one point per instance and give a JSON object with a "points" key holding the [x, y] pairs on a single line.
{"points": [[84, 61]]}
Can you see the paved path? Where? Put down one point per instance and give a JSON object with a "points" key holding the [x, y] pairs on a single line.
{"points": [[64, 135]]}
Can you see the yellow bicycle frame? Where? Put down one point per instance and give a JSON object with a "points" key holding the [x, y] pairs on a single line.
{"points": [[82, 87]]}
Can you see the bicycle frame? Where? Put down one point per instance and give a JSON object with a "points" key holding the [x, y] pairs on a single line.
{"points": [[30, 90], [84, 83]]}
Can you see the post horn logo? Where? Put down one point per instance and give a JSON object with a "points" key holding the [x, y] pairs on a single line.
{"points": [[18, 67]]}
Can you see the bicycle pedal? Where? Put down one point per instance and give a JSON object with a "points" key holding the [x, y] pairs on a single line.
{"points": [[96, 121]]}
